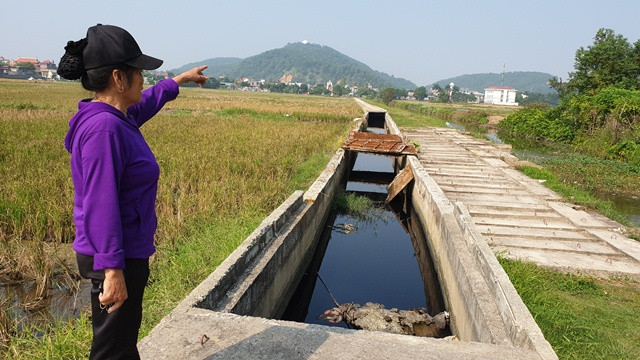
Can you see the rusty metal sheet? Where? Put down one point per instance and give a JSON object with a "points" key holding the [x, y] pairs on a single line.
{"points": [[386, 144]]}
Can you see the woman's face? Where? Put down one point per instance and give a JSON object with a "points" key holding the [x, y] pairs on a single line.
{"points": [[133, 92]]}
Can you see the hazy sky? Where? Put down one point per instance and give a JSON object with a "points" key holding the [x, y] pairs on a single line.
{"points": [[423, 41]]}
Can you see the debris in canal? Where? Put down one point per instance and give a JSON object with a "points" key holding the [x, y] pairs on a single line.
{"points": [[345, 229], [375, 317]]}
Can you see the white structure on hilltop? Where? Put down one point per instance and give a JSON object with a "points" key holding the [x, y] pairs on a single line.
{"points": [[500, 95]]}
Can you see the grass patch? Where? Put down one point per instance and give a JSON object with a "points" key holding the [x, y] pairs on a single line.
{"points": [[407, 118], [309, 170], [595, 174], [69, 339], [582, 318], [575, 194], [359, 207], [419, 113], [188, 261], [227, 159], [236, 112]]}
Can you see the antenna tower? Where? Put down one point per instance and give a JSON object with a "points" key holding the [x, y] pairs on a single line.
{"points": [[502, 78]]}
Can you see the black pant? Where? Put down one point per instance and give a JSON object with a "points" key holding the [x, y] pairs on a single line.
{"points": [[115, 335]]}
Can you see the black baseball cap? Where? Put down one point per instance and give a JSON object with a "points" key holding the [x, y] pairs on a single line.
{"points": [[110, 45]]}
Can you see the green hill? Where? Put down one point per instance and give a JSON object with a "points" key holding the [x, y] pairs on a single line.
{"points": [[217, 66], [531, 81], [305, 63]]}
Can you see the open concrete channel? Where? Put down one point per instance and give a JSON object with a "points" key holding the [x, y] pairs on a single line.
{"points": [[439, 261]]}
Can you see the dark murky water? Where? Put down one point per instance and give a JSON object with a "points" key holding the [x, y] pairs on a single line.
{"points": [[61, 303], [362, 261], [627, 205]]}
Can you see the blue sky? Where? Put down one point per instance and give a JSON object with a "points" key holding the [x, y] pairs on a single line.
{"points": [[423, 41]]}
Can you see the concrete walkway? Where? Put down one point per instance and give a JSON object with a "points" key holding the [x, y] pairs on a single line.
{"points": [[518, 215]]}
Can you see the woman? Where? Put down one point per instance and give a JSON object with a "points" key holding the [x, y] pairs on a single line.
{"points": [[115, 178]]}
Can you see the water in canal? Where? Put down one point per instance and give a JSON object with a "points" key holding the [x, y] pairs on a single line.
{"points": [[368, 260]]}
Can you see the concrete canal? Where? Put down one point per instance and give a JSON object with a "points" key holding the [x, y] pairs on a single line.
{"points": [[422, 251], [368, 257]]}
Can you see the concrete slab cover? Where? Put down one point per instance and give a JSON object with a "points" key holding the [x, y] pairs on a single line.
{"points": [[524, 211], [378, 144], [202, 334]]}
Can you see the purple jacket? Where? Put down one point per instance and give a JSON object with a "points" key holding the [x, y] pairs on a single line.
{"points": [[115, 178]]}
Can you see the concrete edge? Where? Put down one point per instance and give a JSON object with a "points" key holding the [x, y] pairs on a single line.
{"points": [[473, 312], [316, 189], [238, 261], [612, 235], [480, 274], [392, 128], [366, 107], [203, 334], [522, 327], [619, 241]]}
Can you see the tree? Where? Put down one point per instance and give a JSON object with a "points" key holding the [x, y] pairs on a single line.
{"points": [[460, 97], [610, 61], [366, 92], [387, 96], [528, 98], [212, 83], [26, 69], [420, 93], [319, 90]]}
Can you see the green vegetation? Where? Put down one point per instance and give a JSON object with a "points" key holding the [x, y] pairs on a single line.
{"points": [[408, 118], [306, 63], [528, 98], [420, 113], [582, 318], [534, 122], [227, 159], [598, 120], [610, 61], [63, 340], [360, 207], [530, 81], [450, 94], [567, 189]]}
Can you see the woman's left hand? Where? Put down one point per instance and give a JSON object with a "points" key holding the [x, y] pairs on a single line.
{"points": [[194, 75], [114, 290]]}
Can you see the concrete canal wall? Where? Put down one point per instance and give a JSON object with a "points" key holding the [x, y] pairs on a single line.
{"points": [[484, 305], [260, 276]]}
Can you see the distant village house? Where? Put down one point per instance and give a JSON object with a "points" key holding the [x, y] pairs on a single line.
{"points": [[15, 68], [500, 95]]}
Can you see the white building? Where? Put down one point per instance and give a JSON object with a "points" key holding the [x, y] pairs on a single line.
{"points": [[329, 85], [500, 95]]}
